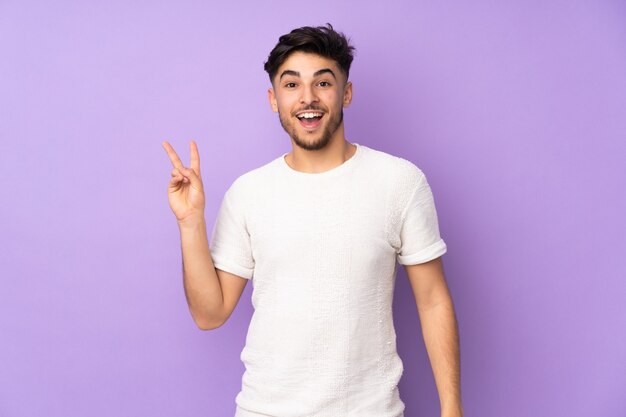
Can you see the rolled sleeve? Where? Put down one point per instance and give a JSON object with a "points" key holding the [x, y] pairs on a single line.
{"points": [[230, 247], [419, 233]]}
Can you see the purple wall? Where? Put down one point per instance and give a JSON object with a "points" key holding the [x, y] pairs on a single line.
{"points": [[515, 110]]}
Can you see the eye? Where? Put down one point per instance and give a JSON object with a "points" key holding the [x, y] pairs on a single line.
{"points": [[324, 84], [290, 85]]}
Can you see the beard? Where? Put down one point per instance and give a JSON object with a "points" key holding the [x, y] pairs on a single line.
{"points": [[330, 128]]}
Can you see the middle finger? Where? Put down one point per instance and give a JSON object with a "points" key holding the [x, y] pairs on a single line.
{"points": [[173, 155]]}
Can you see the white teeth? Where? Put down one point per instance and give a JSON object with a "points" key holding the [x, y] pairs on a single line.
{"points": [[309, 115]]}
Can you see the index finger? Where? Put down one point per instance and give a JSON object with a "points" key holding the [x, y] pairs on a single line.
{"points": [[195, 157], [172, 154]]}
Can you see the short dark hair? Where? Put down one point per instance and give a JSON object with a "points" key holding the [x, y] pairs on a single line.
{"points": [[321, 40]]}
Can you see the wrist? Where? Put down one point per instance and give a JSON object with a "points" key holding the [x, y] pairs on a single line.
{"points": [[192, 222], [452, 411]]}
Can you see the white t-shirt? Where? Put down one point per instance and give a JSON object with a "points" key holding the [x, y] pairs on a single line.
{"points": [[321, 250]]}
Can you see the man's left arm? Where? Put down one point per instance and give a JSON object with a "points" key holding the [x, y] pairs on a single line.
{"points": [[440, 331]]}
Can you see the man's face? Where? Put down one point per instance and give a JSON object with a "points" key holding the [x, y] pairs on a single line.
{"points": [[309, 93]]}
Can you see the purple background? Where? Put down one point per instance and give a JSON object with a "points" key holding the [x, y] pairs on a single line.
{"points": [[515, 110]]}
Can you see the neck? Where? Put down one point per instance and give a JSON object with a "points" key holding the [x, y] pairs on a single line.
{"points": [[332, 155]]}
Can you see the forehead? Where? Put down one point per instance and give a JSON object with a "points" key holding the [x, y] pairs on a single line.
{"points": [[307, 63]]}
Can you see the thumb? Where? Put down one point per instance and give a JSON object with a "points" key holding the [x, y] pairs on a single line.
{"points": [[196, 181]]}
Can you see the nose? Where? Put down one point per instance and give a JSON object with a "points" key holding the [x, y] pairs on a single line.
{"points": [[308, 95]]}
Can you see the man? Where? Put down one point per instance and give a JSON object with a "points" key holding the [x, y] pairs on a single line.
{"points": [[319, 230]]}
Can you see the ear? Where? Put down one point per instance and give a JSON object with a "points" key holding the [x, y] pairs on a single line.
{"points": [[347, 94], [272, 98]]}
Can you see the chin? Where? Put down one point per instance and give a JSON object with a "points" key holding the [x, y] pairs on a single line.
{"points": [[311, 144]]}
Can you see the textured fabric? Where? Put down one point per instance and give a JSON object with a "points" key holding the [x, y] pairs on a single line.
{"points": [[321, 250]]}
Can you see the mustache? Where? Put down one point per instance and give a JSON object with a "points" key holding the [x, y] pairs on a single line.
{"points": [[310, 107]]}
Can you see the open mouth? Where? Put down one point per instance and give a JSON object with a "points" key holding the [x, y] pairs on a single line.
{"points": [[310, 119]]}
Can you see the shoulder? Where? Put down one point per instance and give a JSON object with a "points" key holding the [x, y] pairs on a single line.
{"points": [[253, 180], [399, 170]]}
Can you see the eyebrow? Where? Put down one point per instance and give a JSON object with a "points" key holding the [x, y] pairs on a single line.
{"points": [[316, 74], [289, 72], [324, 71]]}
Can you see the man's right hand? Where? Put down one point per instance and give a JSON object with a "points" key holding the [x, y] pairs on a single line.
{"points": [[185, 190]]}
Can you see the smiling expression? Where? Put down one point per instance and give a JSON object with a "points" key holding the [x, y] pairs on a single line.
{"points": [[309, 93]]}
